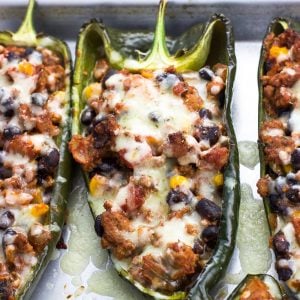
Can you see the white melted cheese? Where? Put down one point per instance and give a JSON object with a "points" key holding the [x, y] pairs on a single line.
{"points": [[57, 105], [41, 142], [135, 151], [144, 99], [146, 108], [175, 230]]}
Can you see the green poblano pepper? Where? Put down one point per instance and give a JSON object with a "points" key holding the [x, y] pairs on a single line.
{"points": [[26, 36], [204, 44]]}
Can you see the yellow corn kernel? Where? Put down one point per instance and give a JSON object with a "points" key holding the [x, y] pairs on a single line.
{"points": [[97, 185], [218, 179], [37, 196], [276, 51], [92, 91], [39, 210], [151, 140], [26, 68], [147, 74], [296, 214], [177, 180], [287, 168]]}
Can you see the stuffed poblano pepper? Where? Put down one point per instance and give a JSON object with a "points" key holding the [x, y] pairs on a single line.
{"points": [[257, 287], [153, 133], [279, 133], [34, 162]]}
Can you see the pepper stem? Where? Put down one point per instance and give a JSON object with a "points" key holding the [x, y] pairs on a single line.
{"points": [[26, 33], [159, 56], [159, 51]]}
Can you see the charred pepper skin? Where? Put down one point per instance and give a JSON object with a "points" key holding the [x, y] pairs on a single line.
{"points": [[27, 37], [272, 205], [216, 35]]}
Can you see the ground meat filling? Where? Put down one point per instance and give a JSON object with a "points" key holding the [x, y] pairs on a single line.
{"points": [[155, 148], [280, 136], [256, 289], [32, 110]]}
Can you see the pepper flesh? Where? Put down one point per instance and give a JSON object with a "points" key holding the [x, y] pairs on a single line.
{"points": [[218, 29]]}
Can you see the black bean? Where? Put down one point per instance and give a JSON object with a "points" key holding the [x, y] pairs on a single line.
{"points": [[48, 163], [38, 99], [222, 99], [210, 133], [87, 116], [6, 289], [6, 219], [154, 116], [98, 120], [107, 165], [5, 173], [52, 158], [295, 159], [198, 247], [267, 66], [207, 209], [108, 74], [7, 236], [12, 55], [281, 245], [278, 205], [284, 273], [161, 77], [8, 105], [28, 51], [98, 226], [101, 132], [205, 113], [175, 196], [11, 131], [210, 236], [9, 113], [206, 73], [293, 195], [290, 179], [89, 129]]}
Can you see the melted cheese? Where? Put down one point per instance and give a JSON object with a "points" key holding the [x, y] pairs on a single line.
{"points": [[147, 111]]}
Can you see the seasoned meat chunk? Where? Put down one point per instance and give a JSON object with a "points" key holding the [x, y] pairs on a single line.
{"points": [[115, 224], [39, 237], [217, 157], [279, 149], [263, 186], [83, 151], [21, 145], [176, 145], [271, 128], [182, 259]]}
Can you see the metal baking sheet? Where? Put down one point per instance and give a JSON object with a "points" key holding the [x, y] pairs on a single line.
{"points": [[83, 271]]}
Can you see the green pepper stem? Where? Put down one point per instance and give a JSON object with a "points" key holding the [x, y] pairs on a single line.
{"points": [[26, 33], [159, 56]]}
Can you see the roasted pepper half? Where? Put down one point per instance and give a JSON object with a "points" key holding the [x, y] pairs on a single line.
{"points": [[35, 164], [110, 63], [278, 80]]}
